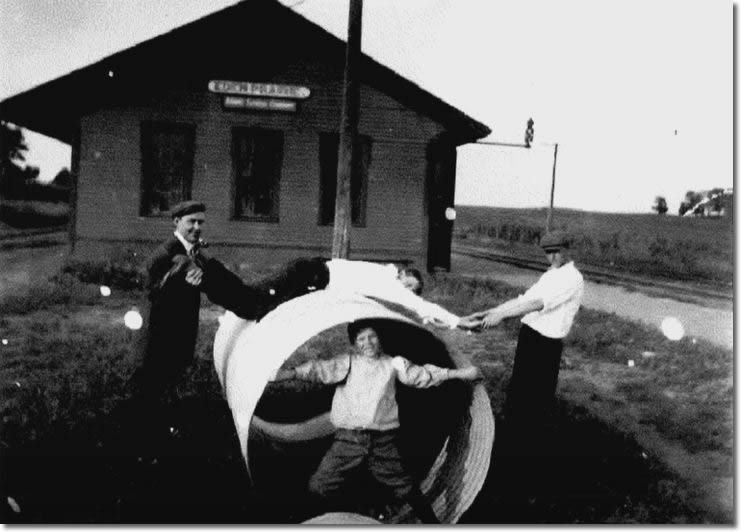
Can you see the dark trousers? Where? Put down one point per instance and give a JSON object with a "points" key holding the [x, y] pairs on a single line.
{"points": [[532, 386], [354, 452]]}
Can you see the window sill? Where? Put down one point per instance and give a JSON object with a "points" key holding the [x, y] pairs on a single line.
{"points": [[255, 219]]}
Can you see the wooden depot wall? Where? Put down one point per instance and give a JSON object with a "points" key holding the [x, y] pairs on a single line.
{"points": [[396, 224]]}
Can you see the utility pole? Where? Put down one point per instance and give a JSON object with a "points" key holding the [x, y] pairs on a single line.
{"points": [[553, 188], [529, 135], [348, 134]]}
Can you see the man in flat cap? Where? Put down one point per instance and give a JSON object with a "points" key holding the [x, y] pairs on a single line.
{"points": [[548, 309], [178, 271]]}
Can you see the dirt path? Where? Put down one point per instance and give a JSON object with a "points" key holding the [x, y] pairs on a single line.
{"points": [[713, 323]]}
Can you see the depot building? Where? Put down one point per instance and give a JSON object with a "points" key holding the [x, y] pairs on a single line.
{"points": [[229, 111]]}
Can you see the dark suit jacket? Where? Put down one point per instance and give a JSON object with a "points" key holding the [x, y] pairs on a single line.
{"points": [[172, 320], [169, 339]]}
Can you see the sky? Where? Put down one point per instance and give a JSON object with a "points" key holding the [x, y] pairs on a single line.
{"points": [[637, 94]]}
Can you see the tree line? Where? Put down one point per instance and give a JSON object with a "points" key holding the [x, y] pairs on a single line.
{"points": [[715, 200], [19, 181]]}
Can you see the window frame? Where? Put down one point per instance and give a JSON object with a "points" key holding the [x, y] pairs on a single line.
{"points": [[147, 129], [274, 216]]}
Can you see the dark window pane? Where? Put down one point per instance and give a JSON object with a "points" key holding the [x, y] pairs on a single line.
{"points": [[167, 166], [328, 147], [258, 157]]}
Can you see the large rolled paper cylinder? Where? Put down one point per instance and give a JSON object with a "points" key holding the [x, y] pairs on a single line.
{"points": [[447, 431]]}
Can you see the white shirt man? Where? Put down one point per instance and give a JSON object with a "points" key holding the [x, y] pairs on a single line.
{"points": [[560, 289], [548, 309]]}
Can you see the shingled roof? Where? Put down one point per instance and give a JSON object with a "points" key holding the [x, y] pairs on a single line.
{"points": [[256, 33]]}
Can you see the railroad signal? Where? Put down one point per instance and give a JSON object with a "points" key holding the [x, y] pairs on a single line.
{"points": [[529, 132]]}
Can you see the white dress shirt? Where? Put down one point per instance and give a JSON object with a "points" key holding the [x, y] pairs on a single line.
{"points": [[188, 246], [367, 399], [381, 281], [561, 290]]}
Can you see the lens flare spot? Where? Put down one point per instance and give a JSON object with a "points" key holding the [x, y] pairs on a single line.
{"points": [[105, 291], [14, 505], [672, 328], [133, 320]]}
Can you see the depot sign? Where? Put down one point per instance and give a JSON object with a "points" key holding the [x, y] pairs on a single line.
{"points": [[265, 90]]}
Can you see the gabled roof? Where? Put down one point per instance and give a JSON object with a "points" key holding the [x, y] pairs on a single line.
{"points": [[252, 32]]}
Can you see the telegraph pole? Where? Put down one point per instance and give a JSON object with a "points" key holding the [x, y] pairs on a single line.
{"points": [[553, 188], [348, 134]]}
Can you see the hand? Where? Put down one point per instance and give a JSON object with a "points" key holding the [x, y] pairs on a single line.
{"points": [[477, 315], [492, 319], [440, 324], [469, 323], [469, 373], [194, 276]]}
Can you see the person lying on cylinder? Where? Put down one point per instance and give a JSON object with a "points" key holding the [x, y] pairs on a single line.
{"points": [[385, 282], [366, 414]]}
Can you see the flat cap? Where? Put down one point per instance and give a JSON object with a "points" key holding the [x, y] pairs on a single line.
{"points": [[187, 207], [555, 240]]}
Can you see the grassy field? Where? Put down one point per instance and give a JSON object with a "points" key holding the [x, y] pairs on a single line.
{"points": [[693, 249], [73, 450]]}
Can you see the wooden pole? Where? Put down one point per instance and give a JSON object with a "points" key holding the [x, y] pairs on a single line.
{"points": [[549, 220], [73, 193], [348, 135]]}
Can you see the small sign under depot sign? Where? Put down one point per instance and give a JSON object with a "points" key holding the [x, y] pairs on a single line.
{"points": [[260, 104]]}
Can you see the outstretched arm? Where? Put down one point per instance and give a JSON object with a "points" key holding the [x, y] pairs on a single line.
{"points": [[470, 373], [228, 290], [510, 309], [329, 371], [431, 375]]}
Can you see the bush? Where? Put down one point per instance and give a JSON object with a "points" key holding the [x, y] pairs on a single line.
{"points": [[123, 268]]}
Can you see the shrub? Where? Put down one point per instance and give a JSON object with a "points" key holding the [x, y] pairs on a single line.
{"points": [[122, 268]]}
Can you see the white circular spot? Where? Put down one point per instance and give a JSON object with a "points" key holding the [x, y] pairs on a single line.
{"points": [[450, 214], [105, 291], [133, 320], [14, 505], [272, 291], [672, 329], [5, 341], [631, 363]]}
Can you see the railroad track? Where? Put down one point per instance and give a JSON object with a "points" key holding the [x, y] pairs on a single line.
{"points": [[675, 289]]}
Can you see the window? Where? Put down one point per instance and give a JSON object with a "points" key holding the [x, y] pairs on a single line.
{"points": [[257, 156], [167, 166], [328, 146]]}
